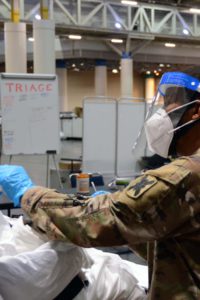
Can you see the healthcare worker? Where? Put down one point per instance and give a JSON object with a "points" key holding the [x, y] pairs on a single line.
{"points": [[158, 212]]}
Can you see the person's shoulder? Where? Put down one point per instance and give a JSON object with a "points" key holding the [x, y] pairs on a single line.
{"points": [[172, 172]]}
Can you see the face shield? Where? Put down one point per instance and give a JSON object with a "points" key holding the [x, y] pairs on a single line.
{"points": [[176, 93]]}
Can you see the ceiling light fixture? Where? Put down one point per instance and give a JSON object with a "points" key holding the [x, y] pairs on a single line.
{"points": [[194, 10], [185, 31], [37, 17], [148, 72], [74, 37], [31, 39], [115, 71], [161, 65], [127, 2], [118, 25], [117, 41], [170, 45]]}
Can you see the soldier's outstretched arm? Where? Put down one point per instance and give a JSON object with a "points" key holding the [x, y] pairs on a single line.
{"points": [[148, 209]]}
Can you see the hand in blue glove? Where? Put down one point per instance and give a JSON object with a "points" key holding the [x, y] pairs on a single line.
{"points": [[97, 193], [15, 182]]}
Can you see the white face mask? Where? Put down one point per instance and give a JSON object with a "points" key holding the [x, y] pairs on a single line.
{"points": [[159, 130]]}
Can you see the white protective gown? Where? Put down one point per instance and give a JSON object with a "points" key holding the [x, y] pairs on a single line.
{"points": [[34, 268]]}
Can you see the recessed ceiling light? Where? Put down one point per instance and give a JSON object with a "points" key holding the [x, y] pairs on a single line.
{"points": [[115, 71], [127, 2], [170, 45], [74, 37], [194, 10], [31, 39], [185, 31], [117, 41], [118, 25], [37, 17]]}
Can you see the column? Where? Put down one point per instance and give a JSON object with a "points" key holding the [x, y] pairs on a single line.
{"points": [[126, 75], [149, 87], [100, 77], [15, 47], [61, 72], [44, 46], [15, 42], [44, 9]]}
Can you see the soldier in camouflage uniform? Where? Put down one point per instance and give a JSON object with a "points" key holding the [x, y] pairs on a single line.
{"points": [[157, 214]]}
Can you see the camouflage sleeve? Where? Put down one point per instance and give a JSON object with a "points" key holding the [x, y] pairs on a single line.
{"points": [[152, 206]]}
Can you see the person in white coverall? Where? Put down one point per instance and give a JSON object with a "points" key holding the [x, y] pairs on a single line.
{"points": [[31, 267]]}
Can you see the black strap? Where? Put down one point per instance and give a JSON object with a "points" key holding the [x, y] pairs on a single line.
{"points": [[72, 290]]}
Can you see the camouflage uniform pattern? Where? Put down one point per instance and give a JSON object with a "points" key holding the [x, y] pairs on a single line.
{"points": [[160, 209]]}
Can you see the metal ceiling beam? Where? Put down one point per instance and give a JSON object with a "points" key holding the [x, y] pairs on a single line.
{"points": [[97, 15]]}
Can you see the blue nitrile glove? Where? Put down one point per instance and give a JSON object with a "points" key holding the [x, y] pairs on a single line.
{"points": [[97, 193], [15, 182]]}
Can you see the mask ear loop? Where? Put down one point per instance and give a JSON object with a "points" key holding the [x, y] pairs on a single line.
{"points": [[181, 126], [189, 122]]}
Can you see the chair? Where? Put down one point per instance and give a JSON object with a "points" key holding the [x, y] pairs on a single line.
{"points": [[96, 178]]}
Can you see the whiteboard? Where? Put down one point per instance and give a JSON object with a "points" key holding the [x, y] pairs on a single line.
{"points": [[99, 136], [30, 113], [130, 121]]}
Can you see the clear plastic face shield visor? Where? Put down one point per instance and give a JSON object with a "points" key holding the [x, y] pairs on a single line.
{"points": [[176, 92]]}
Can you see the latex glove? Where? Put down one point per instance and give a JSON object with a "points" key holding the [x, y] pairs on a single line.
{"points": [[15, 182], [97, 193]]}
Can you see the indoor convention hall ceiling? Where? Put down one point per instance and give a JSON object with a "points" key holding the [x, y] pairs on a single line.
{"points": [[154, 32]]}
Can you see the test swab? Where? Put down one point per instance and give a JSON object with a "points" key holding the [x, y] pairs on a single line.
{"points": [[93, 185]]}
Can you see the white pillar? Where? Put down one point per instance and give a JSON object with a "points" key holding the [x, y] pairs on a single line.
{"points": [[126, 76], [61, 72], [15, 47], [100, 78], [44, 46], [149, 88]]}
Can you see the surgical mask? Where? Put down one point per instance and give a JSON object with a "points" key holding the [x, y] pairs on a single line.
{"points": [[161, 126]]}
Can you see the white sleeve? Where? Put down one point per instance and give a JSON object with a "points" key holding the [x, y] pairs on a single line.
{"points": [[39, 274], [31, 268], [112, 278]]}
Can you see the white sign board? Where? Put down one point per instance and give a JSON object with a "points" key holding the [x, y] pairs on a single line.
{"points": [[30, 113], [99, 136], [130, 120]]}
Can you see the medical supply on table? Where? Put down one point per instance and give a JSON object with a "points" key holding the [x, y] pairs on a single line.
{"points": [[93, 185], [83, 183]]}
